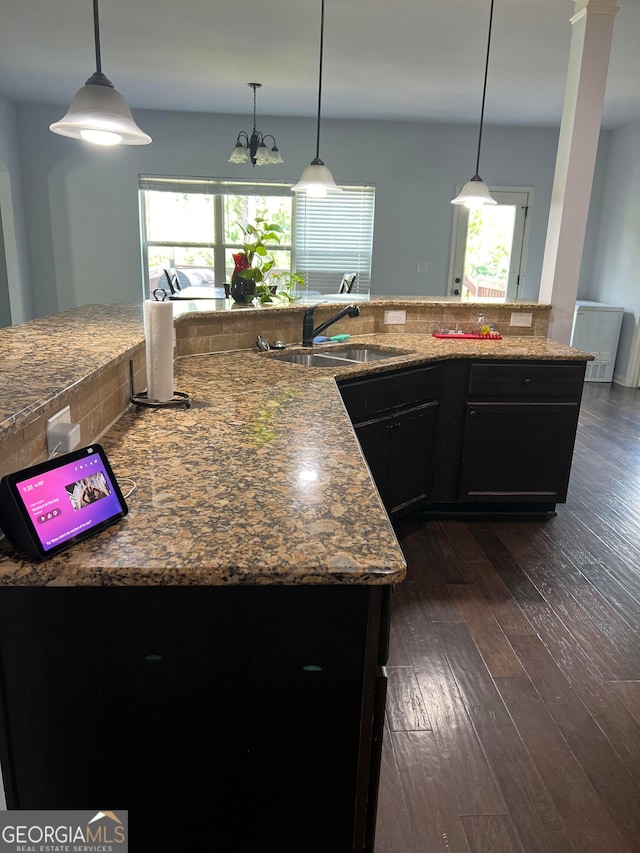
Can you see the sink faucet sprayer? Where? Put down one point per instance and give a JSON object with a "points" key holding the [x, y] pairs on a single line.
{"points": [[309, 333]]}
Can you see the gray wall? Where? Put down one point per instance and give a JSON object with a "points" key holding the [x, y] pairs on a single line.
{"points": [[616, 264], [5, 305], [76, 205], [82, 206], [15, 289]]}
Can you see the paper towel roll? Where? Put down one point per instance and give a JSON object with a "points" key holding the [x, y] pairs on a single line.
{"points": [[158, 324]]}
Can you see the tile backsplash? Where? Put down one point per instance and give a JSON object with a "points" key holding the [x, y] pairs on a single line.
{"points": [[95, 345]]}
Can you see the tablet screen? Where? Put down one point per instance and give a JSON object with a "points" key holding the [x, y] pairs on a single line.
{"points": [[68, 498]]}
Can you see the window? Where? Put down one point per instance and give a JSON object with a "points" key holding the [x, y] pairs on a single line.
{"points": [[191, 225], [334, 235]]}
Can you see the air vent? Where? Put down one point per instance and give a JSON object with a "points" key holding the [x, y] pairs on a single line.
{"points": [[596, 371]]}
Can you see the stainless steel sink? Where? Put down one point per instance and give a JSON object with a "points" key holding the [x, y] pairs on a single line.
{"points": [[337, 358], [312, 359], [361, 354]]}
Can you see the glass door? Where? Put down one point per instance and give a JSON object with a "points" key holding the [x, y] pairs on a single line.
{"points": [[489, 248]]}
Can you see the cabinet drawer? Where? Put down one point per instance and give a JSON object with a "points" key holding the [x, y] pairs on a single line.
{"points": [[526, 380], [399, 389]]}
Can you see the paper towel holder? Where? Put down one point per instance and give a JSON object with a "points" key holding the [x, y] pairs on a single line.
{"points": [[141, 398]]}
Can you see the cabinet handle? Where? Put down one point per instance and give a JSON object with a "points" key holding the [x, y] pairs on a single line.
{"points": [[527, 381], [472, 413]]}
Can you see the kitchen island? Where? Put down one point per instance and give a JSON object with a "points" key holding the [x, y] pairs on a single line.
{"points": [[233, 628], [213, 663]]}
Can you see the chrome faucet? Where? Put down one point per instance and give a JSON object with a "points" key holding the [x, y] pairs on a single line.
{"points": [[309, 333]]}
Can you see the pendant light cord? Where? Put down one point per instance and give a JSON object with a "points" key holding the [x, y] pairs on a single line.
{"points": [[484, 88], [254, 86], [320, 82], [96, 35]]}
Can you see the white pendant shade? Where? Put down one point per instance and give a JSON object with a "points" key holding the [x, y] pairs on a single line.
{"points": [[239, 154], [99, 114], [316, 180], [475, 193], [263, 157]]}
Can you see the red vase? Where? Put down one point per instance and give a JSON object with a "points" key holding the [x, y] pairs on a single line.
{"points": [[242, 289]]}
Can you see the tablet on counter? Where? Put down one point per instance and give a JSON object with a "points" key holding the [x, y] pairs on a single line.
{"points": [[55, 504]]}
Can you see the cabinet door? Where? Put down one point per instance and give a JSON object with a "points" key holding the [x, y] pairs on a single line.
{"points": [[410, 458], [399, 451], [517, 451]]}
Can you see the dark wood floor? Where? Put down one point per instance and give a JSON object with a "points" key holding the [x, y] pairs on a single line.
{"points": [[513, 714]]}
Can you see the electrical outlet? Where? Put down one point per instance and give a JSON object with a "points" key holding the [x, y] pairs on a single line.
{"points": [[521, 319], [62, 435], [423, 266], [395, 318]]}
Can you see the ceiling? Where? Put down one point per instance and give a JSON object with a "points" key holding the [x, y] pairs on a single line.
{"points": [[394, 60]]}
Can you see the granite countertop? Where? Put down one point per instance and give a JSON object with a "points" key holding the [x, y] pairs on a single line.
{"points": [[187, 305], [41, 359], [418, 349], [261, 481]]}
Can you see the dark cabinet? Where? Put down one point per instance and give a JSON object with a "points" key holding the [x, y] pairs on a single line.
{"points": [[398, 449], [520, 423], [222, 718], [465, 435], [517, 452], [395, 418]]}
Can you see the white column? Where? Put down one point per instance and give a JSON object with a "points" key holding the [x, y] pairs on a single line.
{"points": [[575, 163]]}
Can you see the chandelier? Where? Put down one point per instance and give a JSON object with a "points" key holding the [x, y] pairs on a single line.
{"points": [[254, 147]]}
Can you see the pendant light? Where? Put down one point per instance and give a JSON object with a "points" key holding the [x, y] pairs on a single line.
{"points": [[98, 113], [316, 179], [475, 193]]}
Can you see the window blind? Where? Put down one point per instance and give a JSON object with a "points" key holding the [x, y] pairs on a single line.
{"points": [[213, 186], [333, 235]]}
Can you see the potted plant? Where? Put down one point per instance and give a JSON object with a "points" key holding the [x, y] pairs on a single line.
{"points": [[282, 292], [252, 276]]}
